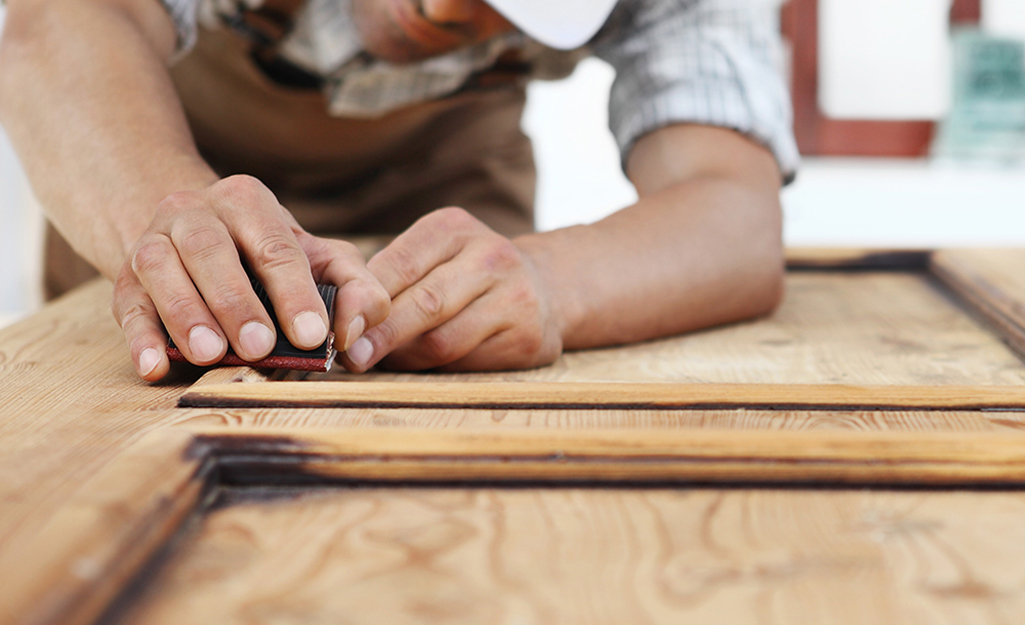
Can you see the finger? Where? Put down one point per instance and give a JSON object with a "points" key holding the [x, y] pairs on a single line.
{"points": [[440, 296], [452, 340], [361, 301], [433, 240], [135, 313], [503, 351], [211, 259], [186, 318], [264, 235]]}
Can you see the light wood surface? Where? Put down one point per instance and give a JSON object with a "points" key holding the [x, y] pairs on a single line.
{"points": [[609, 395], [72, 413], [445, 418], [70, 568], [503, 556], [993, 281], [863, 328]]}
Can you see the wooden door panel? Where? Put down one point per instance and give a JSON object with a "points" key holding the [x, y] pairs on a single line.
{"points": [[444, 555], [881, 370], [836, 328]]}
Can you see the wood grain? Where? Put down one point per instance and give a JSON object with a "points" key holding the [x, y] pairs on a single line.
{"points": [[71, 568], [862, 328], [445, 418], [993, 282], [545, 556], [69, 403], [625, 455], [600, 396]]}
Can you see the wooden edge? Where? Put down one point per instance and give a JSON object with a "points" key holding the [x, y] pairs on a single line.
{"points": [[70, 570], [469, 456], [827, 258], [992, 283], [233, 375], [566, 395]]}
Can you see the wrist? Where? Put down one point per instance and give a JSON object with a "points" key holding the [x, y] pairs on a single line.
{"points": [[548, 254]]}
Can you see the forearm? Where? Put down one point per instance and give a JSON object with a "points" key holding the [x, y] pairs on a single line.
{"points": [[86, 99], [701, 247]]}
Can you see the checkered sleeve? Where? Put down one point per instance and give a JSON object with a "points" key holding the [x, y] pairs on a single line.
{"points": [[713, 62], [183, 12]]}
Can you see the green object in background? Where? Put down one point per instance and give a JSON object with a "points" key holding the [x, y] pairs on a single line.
{"points": [[987, 121]]}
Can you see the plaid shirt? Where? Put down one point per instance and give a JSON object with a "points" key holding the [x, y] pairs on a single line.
{"points": [[713, 62]]}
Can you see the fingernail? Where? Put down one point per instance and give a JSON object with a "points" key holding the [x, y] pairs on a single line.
{"points": [[205, 344], [356, 327], [148, 360], [361, 352], [309, 329], [256, 340]]}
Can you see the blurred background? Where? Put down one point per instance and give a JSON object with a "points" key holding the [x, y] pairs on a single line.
{"points": [[910, 116]]}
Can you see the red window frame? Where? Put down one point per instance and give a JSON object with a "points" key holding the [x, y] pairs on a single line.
{"points": [[819, 135]]}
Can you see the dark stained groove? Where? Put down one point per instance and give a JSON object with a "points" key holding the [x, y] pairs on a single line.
{"points": [[302, 470], [202, 401], [897, 260], [1009, 330]]}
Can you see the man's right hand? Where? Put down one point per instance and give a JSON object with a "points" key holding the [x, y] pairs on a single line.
{"points": [[186, 274]]}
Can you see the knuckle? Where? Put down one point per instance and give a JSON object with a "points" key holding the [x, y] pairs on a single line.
{"points": [[180, 306], [429, 301], [130, 315], [386, 335], [151, 254], [437, 347], [454, 218], [376, 298], [177, 202], [524, 298], [532, 343], [276, 250], [228, 298], [527, 344], [502, 255], [201, 242], [245, 190], [405, 265]]}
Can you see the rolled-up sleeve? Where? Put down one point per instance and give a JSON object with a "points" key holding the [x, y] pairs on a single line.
{"points": [[713, 62], [183, 12]]}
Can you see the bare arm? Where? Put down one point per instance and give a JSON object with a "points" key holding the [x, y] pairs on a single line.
{"points": [[701, 247], [86, 98]]}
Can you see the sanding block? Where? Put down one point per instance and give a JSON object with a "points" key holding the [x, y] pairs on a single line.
{"points": [[285, 355]]}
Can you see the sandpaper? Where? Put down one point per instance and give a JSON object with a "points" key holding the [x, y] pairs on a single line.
{"points": [[285, 355]]}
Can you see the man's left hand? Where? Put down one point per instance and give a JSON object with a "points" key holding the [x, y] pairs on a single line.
{"points": [[463, 298]]}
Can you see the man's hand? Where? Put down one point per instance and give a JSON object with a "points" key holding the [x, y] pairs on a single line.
{"points": [[463, 298], [187, 271]]}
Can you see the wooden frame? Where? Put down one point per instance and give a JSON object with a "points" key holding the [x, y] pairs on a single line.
{"points": [[984, 280], [818, 135], [70, 569], [74, 568]]}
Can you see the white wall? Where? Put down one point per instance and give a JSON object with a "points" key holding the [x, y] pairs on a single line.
{"points": [[1004, 17], [19, 288], [880, 59]]}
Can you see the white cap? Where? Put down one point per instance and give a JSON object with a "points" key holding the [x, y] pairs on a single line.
{"points": [[563, 24]]}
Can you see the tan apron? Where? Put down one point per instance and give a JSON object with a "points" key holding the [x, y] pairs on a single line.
{"points": [[345, 176]]}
